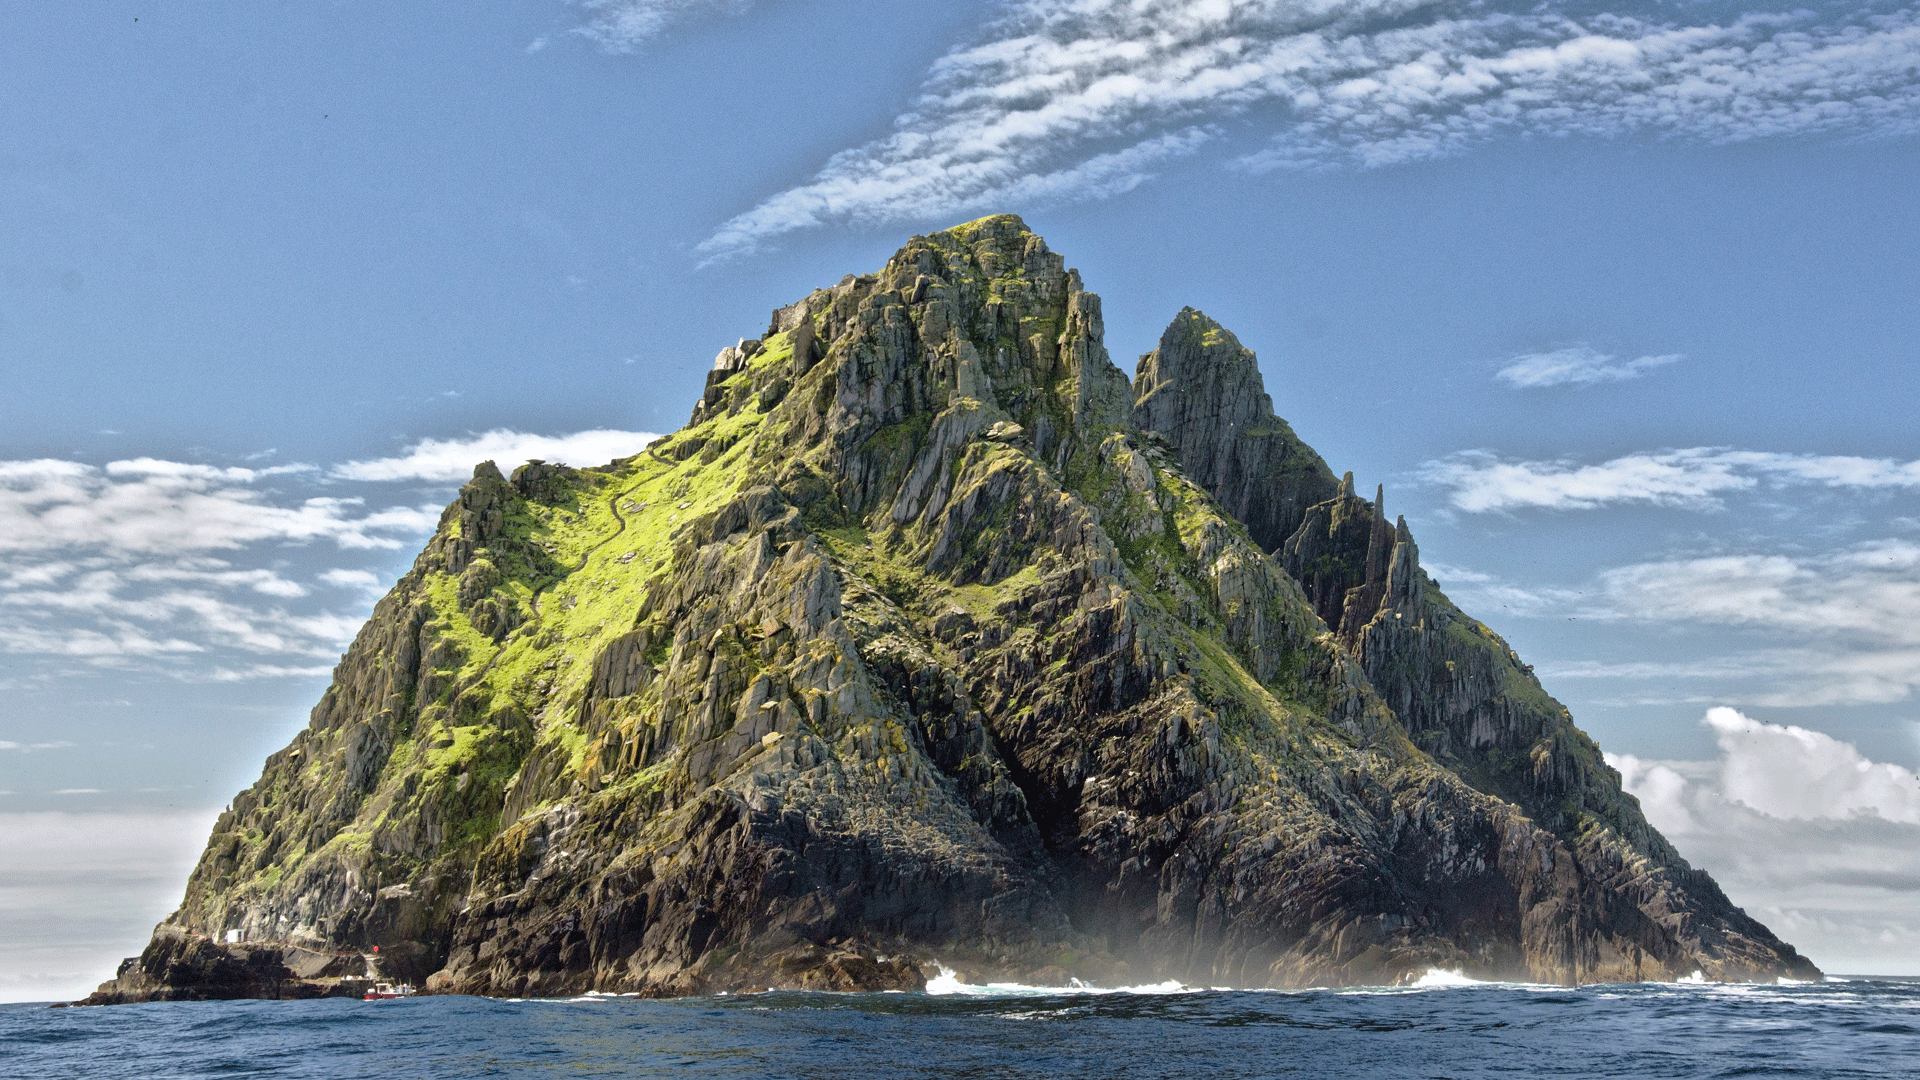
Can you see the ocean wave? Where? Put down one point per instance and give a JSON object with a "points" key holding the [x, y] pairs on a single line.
{"points": [[1865, 1027], [949, 983], [1437, 978]]}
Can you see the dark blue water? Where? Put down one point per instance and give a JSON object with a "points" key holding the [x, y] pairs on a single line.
{"points": [[1861, 1028]]}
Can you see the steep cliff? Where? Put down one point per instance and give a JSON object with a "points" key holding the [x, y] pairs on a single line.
{"points": [[931, 638]]}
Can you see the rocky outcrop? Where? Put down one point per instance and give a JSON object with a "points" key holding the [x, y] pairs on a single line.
{"points": [[181, 966], [932, 640], [1203, 390], [1463, 696]]}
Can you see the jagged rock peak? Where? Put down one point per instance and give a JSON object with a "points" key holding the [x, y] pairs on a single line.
{"points": [[1343, 554], [1202, 390], [984, 312]]}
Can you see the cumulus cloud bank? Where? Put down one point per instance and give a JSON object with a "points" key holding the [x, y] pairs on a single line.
{"points": [[1579, 365], [1068, 99], [1482, 482], [1820, 842], [1793, 772]]}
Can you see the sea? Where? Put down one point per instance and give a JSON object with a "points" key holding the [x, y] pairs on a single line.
{"points": [[1444, 1026]]}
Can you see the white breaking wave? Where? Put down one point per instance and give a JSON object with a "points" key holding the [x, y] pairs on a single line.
{"points": [[1436, 977], [949, 982]]}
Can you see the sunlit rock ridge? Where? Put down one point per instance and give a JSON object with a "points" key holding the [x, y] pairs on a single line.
{"points": [[932, 639]]}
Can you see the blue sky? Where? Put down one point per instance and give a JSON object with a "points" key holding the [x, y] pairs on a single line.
{"points": [[1620, 301]]}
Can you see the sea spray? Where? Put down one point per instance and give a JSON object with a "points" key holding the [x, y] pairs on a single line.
{"points": [[948, 982]]}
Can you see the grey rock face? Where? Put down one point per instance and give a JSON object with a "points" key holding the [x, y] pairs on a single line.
{"points": [[1203, 390], [1460, 693]]}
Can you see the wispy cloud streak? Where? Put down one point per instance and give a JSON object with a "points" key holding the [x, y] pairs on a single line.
{"points": [[1697, 477], [1835, 628], [165, 508], [1579, 365], [1066, 99], [623, 25]]}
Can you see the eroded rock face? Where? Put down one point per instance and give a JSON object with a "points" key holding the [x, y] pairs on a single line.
{"points": [[178, 966], [932, 640], [1463, 696], [1202, 389]]}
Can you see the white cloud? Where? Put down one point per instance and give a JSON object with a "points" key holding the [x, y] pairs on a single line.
{"points": [[159, 507], [265, 671], [112, 613], [1661, 788], [112, 566], [1794, 772], [621, 25], [1482, 482], [1695, 477], [1084, 98], [1719, 667], [350, 579], [1869, 592], [1579, 365], [218, 572], [1430, 90], [1803, 830], [109, 645], [451, 461], [1834, 628], [108, 565], [1449, 572], [1842, 471]]}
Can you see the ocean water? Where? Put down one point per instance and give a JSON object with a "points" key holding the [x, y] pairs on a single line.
{"points": [[1446, 1027]]}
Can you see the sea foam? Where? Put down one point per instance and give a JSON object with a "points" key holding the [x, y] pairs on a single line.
{"points": [[1436, 977], [949, 982]]}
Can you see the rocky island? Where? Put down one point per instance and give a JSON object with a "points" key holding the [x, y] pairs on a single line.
{"points": [[932, 639]]}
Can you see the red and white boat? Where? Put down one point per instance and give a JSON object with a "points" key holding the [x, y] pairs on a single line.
{"points": [[383, 991]]}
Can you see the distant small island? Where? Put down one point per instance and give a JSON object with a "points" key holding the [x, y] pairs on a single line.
{"points": [[933, 640]]}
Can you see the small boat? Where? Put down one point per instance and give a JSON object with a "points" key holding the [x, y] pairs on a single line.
{"points": [[383, 991]]}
